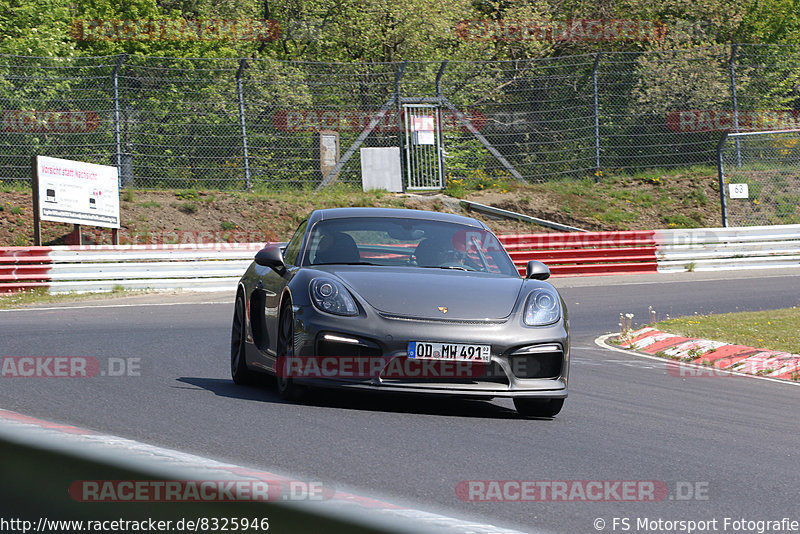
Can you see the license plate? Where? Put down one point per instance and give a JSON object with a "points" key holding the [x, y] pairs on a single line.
{"points": [[425, 350]]}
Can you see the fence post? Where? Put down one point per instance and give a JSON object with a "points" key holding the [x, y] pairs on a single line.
{"points": [[439, 74], [242, 125], [117, 129], [440, 150], [596, 118], [398, 75], [732, 68], [721, 178]]}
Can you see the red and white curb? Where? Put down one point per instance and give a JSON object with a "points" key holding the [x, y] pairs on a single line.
{"points": [[715, 355], [37, 432]]}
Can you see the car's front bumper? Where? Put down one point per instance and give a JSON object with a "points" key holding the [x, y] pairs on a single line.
{"points": [[385, 339]]}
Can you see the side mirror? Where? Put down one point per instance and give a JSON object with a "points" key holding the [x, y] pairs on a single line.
{"points": [[270, 256], [537, 270]]}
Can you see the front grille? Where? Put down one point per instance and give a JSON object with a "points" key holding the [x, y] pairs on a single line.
{"points": [[436, 320], [537, 361]]}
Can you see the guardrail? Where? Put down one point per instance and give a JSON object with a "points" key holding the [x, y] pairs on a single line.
{"points": [[198, 267], [217, 266], [23, 267], [752, 247], [585, 253]]}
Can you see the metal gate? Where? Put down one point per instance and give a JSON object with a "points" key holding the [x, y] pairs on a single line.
{"points": [[422, 124]]}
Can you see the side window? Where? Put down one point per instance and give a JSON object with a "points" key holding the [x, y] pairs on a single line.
{"points": [[293, 248]]}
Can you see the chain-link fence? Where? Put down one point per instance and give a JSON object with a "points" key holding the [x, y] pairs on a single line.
{"points": [[236, 124], [760, 178]]}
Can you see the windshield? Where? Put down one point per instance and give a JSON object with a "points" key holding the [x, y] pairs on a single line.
{"points": [[406, 242]]}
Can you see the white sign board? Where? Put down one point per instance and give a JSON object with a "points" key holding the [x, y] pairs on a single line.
{"points": [[422, 126], [422, 123], [425, 137], [380, 169], [738, 191], [77, 192]]}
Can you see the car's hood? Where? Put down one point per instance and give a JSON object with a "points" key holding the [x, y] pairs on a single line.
{"points": [[433, 293]]}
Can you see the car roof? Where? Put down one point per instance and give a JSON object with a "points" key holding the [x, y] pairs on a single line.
{"points": [[346, 213]]}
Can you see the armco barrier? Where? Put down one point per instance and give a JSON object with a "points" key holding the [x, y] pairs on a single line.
{"points": [[198, 267], [217, 266], [24, 268], [585, 253], [751, 247]]}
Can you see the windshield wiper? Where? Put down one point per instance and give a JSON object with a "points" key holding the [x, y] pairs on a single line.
{"points": [[451, 267]]}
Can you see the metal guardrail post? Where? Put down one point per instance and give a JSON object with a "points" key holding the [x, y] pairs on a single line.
{"points": [[242, 124]]}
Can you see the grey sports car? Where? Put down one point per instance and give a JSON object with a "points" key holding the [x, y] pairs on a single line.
{"points": [[404, 301]]}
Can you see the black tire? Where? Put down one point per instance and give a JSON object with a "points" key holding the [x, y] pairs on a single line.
{"points": [[538, 407], [239, 371], [287, 389]]}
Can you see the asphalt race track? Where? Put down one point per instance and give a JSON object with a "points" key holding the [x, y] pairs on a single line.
{"points": [[732, 441]]}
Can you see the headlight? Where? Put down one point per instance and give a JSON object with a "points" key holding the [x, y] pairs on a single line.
{"points": [[331, 296], [542, 307]]}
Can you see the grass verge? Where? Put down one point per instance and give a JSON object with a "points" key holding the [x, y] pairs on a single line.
{"points": [[41, 296], [773, 329]]}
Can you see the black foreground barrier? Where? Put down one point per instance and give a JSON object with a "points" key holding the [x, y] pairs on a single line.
{"points": [[39, 484]]}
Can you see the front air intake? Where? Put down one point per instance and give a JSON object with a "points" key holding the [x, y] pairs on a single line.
{"points": [[537, 361]]}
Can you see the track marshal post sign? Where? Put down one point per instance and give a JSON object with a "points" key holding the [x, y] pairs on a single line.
{"points": [[74, 192]]}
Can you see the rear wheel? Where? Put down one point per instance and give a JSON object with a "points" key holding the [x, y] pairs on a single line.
{"points": [[538, 407], [239, 371], [287, 389]]}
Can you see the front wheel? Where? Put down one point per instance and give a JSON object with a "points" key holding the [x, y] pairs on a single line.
{"points": [[239, 371], [538, 407], [287, 389]]}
